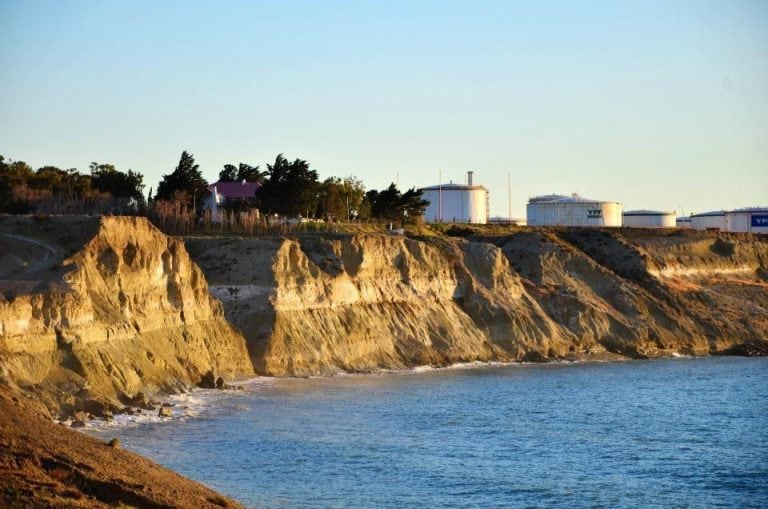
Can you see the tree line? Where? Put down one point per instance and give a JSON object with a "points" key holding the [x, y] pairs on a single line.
{"points": [[53, 190], [286, 188]]}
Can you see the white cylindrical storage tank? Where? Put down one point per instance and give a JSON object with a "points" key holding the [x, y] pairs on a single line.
{"points": [[558, 210], [456, 203], [750, 220], [683, 222], [649, 219], [714, 220]]}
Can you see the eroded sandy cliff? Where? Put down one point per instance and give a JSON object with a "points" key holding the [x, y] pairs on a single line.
{"points": [[115, 308], [318, 305], [104, 308]]}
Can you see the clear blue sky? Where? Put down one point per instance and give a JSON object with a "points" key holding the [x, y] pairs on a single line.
{"points": [[657, 104]]}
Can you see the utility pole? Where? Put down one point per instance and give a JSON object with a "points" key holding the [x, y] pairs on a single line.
{"points": [[440, 197], [509, 196]]}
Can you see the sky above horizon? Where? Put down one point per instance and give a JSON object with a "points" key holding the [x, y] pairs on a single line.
{"points": [[656, 104]]}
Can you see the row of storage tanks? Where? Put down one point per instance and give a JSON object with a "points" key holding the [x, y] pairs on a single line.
{"points": [[753, 220], [458, 203], [556, 210]]}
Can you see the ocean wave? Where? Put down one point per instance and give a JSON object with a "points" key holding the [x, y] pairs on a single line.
{"points": [[188, 405], [463, 365]]}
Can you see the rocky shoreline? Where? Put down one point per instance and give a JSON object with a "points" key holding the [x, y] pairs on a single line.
{"points": [[100, 316], [43, 464]]}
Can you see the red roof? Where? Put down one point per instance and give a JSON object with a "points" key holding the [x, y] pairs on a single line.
{"points": [[235, 189]]}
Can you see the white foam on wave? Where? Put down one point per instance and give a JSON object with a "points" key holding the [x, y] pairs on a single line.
{"points": [[188, 405], [465, 365], [420, 369], [459, 366]]}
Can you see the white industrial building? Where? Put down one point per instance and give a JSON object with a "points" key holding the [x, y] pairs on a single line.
{"points": [[574, 210], [683, 222], [456, 203], [750, 220], [713, 220], [649, 219]]}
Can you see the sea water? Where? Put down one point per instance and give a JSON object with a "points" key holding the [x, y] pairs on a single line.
{"points": [[667, 433]]}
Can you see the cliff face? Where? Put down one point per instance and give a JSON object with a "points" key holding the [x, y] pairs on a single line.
{"points": [[318, 305], [105, 308], [597, 305], [128, 311], [321, 306], [718, 281]]}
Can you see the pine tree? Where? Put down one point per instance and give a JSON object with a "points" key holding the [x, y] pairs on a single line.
{"points": [[228, 174], [232, 173], [185, 178], [291, 188]]}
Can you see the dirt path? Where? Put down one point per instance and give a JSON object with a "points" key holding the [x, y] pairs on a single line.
{"points": [[50, 252]]}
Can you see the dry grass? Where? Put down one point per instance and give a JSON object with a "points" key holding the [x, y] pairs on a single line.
{"points": [[175, 217]]}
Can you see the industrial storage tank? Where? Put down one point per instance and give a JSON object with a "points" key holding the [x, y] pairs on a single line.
{"points": [[649, 219], [751, 220], [683, 222], [714, 220], [559, 210], [456, 203]]}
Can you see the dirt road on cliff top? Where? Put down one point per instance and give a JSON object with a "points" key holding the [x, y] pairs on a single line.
{"points": [[13, 261]]}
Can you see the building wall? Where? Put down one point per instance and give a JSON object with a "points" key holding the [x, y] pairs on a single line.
{"points": [[458, 206], [574, 214], [683, 224], [708, 222], [650, 221], [745, 221]]}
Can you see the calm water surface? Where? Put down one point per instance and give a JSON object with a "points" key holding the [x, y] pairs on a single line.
{"points": [[672, 433]]}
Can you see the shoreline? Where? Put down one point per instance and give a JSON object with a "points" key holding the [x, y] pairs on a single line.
{"points": [[207, 398], [315, 391], [76, 484], [44, 464]]}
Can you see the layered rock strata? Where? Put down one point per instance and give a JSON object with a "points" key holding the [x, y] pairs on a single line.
{"points": [[323, 304], [127, 311]]}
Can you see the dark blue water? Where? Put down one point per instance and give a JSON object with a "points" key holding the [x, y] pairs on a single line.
{"points": [[672, 433]]}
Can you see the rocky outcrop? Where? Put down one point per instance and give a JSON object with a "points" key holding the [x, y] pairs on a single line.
{"points": [[715, 282], [127, 311], [322, 304], [43, 464]]}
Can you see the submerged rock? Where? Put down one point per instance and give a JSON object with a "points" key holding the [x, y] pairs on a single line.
{"points": [[756, 348], [81, 416], [208, 381]]}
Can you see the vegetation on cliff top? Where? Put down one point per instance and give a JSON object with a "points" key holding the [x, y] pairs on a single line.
{"points": [[288, 189]]}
